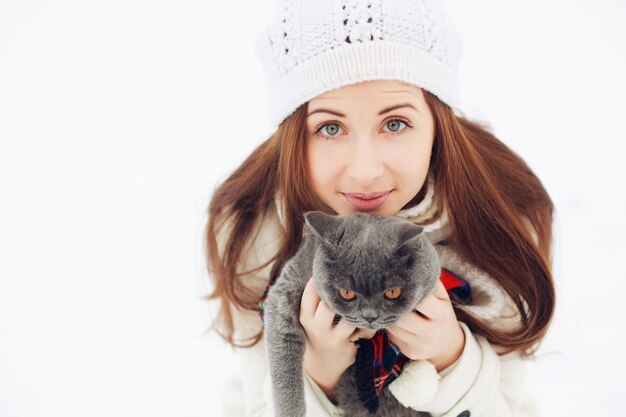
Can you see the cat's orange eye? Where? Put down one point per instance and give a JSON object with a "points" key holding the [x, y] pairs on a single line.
{"points": [[347, 294], [393, 293]]}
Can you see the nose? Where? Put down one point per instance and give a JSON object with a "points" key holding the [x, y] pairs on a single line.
{"points": [[365, 164], [369, 314]]}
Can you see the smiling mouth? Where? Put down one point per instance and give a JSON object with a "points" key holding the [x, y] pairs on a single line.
{"points": [[368, 196], [372, 202]]}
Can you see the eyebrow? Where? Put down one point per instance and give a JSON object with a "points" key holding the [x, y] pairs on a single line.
{"points": [[380, 113]]}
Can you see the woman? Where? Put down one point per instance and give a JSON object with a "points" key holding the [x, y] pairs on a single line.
{"points": [[367, 122]]}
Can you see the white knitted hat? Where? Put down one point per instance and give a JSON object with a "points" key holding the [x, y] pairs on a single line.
{"points": [[314, 46]]}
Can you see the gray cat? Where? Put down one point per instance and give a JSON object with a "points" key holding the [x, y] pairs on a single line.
{"points": [[363, 254]]}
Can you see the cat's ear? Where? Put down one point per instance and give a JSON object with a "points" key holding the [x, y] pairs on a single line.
{"points": [[322, 225], [409, 234]]}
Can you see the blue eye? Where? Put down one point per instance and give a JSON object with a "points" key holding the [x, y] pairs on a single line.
{"points": [[331, 135], [333, 128], [395, 122]]}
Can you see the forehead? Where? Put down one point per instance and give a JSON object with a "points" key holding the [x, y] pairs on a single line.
{"points": [[373, 92]]}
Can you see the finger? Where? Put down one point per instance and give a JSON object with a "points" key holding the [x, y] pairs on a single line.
{"points": [[324, 314], [395, 339], [401, 338], [344, 329], [309, 302], [411, 323], [440, 291], [362, 334], [431, 307]]}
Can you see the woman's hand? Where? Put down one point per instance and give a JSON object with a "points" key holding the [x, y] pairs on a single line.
{"points": [[430, 331], [329, 350]]}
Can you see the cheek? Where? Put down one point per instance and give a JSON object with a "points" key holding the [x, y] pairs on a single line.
{"points": [[411, 155], [345, 309], [323, 167], [410, 163]]}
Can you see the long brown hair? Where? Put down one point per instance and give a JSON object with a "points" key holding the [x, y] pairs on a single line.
{"points": [[489, 193]]}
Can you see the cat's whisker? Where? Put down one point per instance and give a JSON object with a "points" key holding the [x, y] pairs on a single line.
{"points": [[387, 324]]}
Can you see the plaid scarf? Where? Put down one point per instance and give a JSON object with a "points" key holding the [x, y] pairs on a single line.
{"points": [[378, 361]]}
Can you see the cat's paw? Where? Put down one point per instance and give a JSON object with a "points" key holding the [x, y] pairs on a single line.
{"points": [[416, 385]]}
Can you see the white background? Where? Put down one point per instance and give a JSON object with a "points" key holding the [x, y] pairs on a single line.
{"points": [[119, 118]]}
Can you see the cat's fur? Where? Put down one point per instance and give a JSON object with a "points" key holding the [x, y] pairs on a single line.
{"points": [[368, 254]]}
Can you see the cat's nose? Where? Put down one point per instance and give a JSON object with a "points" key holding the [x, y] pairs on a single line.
{"points": [[369, 315]]}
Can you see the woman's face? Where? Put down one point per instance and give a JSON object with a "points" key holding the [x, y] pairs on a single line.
{"points": [[370, 137]]}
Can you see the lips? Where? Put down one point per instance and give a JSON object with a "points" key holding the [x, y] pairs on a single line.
{"points": [[367, 201], [367, 196]]}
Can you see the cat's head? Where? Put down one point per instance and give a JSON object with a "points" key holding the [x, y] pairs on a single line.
{"points": [[371, 269]]}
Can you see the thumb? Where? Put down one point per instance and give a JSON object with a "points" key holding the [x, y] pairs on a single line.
{"points": [[440, 291], [363, 334]]}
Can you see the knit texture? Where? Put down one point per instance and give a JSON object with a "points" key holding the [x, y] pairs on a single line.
{"points": [[312, 47]]}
